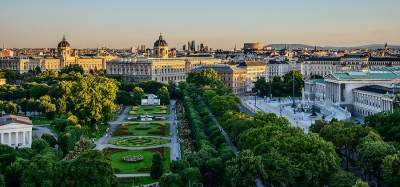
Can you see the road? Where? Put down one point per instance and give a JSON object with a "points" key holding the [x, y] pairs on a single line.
{"points": [[100, 143], [175, 146], [40, 130]]}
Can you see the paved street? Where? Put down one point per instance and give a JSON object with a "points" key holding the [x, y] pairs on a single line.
{"points": [[40, 130], [283, 108], [113, 126], [175, 146]]}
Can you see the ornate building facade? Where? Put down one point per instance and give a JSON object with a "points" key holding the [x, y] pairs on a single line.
{"points": [[65, 56], [162, 66]]}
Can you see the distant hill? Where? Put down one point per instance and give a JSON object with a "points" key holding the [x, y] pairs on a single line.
{"points": [[291, 46], [297, 46]]}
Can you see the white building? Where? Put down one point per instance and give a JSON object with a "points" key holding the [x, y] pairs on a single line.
{"points": [[362, 93], [321, 66], [373, 99], [150, 100], [15, 131], [314, 90]]}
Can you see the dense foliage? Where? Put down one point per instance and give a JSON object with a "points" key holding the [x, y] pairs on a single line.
{"points": [[281, 86]]}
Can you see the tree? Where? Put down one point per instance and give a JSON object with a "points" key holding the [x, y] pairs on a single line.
{"points": [[298, 82], [151, 86], [262, 87], [39, 145], [138, 95], [7, 156], [76, 68], [124, 98], [163, 95], [42, 170], [243, 169], [13, 172], [221, 104], [47, 107], [49, 139], [386, 124], [342, 179], [171, 180], [204, 77], [178, 165], [346, 136], [11, 108], [38, 90], [93, 99], [90, 168], [391, 170], [156, 166], [2, 181], [360, 183], [191, 176], [371, 152]]}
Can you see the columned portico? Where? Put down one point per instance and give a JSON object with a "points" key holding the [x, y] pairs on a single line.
{"points": [[15, 131]]}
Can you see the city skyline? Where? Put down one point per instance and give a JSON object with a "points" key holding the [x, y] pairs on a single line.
{"points": [[219, 24]]}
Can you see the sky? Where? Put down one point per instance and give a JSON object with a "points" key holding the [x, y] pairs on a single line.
{"points": [[216, 23]]}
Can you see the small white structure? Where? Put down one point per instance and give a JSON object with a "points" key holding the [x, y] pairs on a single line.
{"points": [[15, 131], [151, 100]]}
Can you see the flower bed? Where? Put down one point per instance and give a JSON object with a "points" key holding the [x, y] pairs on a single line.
{"points": [[133, 158], [137, 141]]}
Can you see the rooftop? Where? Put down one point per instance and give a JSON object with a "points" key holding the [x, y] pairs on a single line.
{"points": [[14, 119], [386, 75], [379, 89], [252, 63]]}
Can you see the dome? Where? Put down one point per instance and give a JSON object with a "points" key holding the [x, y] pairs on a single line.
{"points": [[160, 42], [63, 43]]}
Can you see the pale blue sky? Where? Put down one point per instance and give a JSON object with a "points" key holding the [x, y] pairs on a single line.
{"points": [[217, 23]]}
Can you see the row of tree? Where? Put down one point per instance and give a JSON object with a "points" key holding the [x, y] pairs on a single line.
{"points": [[281, 155], [206, 164]]}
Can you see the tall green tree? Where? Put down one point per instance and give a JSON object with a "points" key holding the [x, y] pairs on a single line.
{"points": [[204, 77], [138, 95], [163, 95], [171, 180], [243, 169], [371, 152], [76, 68], [93, 99], [156, 170], [42, 170], [391, 170], [90, 168]]}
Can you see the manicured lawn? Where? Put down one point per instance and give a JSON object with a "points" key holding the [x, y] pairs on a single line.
{"points": [[142, 129], [120, 166], [137, 181], [133, 141], [148, 110], [42, 120]]}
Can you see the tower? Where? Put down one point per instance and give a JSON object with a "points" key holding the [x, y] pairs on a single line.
{"points": [[64, 48], [64, 51], [160, 48]]}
